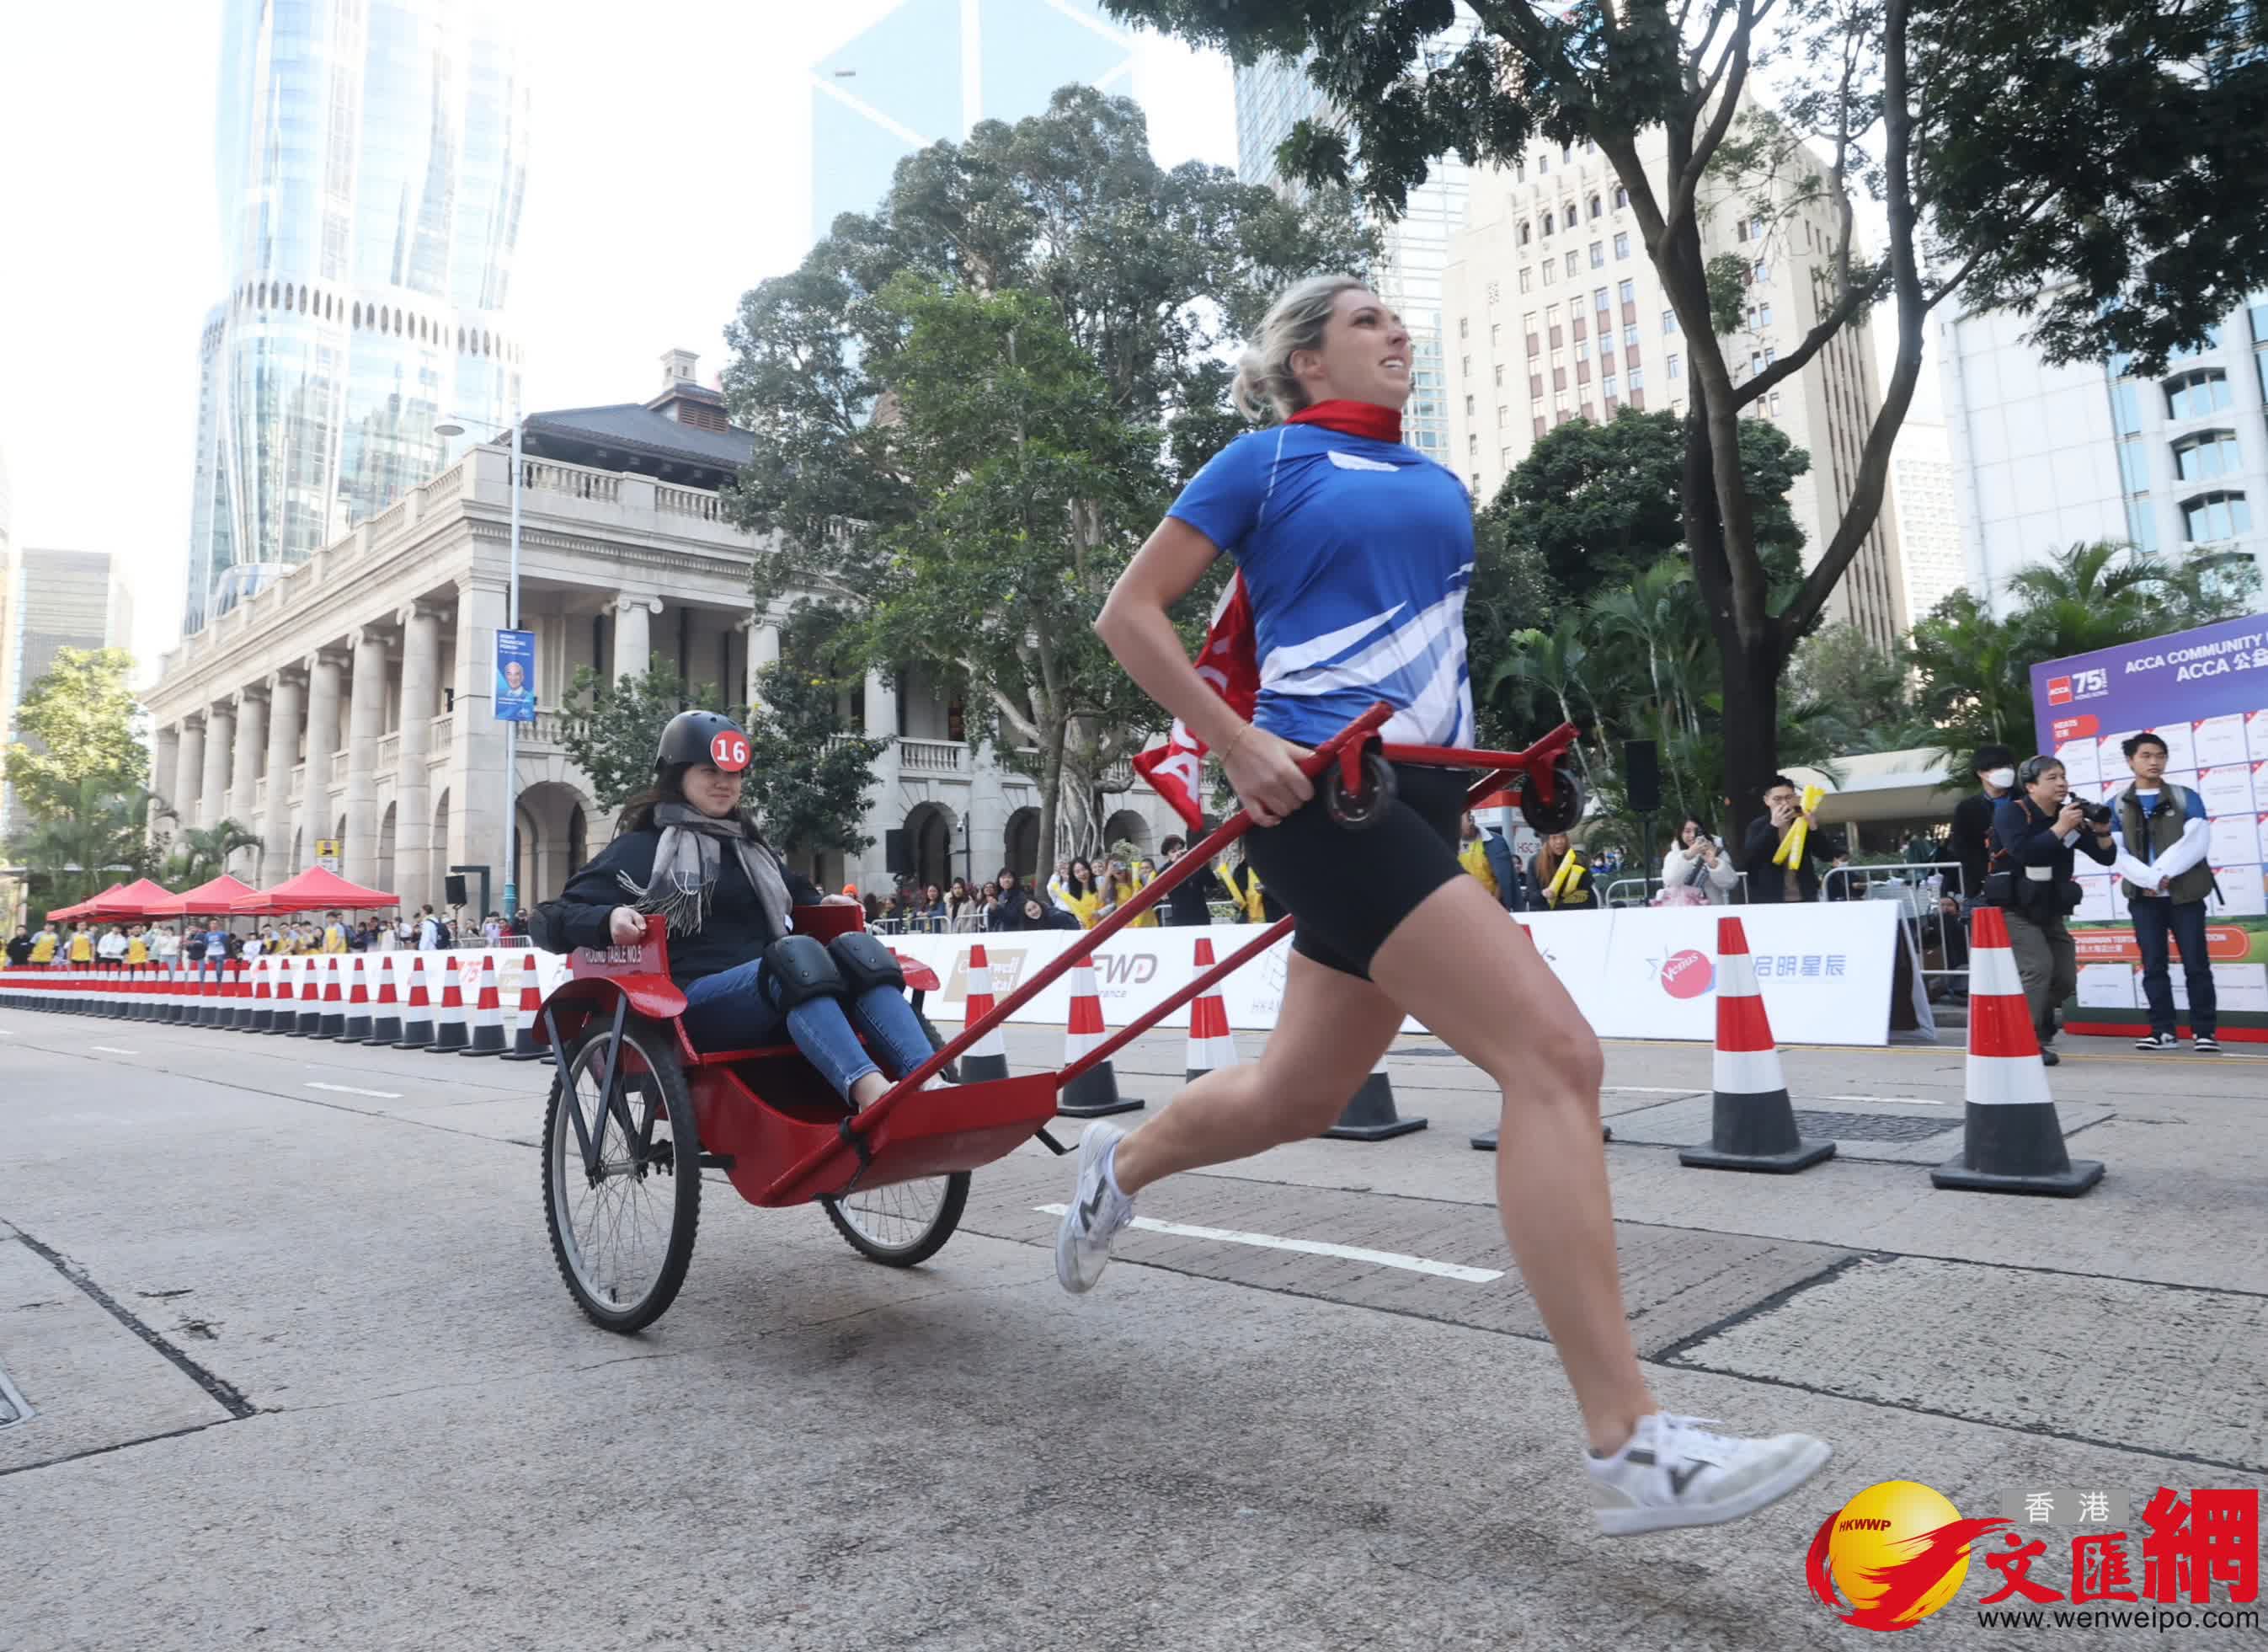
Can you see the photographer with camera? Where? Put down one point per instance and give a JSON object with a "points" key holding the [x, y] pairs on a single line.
{"points": [[2163, 830], [2037, 831]]}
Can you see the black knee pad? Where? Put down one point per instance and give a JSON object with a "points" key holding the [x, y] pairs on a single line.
{"points": [[797, 970], [865, 962]]}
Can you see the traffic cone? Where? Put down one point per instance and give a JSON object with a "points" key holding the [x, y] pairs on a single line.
{"points": [[385, 1008], [239, 1018], [333, 1021], [988, 1057], [449, 1016], [357, 1030], [1752, 1125], [1212, 1044], [2012, 1140], [525, 1045], [263, 995], [285, 1019], [1093, 1093], [311, 999], [488, 1014], [1370, 1116], [201, 1013], [416, 1011]]}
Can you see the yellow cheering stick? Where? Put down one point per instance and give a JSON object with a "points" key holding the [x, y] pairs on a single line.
{"points": [[1791, 848], [1563, 879]]}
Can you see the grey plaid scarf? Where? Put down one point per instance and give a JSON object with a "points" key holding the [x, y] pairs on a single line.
{"points": [[684, 882]]}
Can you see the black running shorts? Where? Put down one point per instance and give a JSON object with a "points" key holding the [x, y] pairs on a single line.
{"points": [[1349, 890]]}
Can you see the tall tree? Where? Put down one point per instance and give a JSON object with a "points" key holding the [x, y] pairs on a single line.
{"points": [[1080, 287], [611, 729], [203, 852], [810, 773], [2093, 164], [90, 836], [79, 723]]}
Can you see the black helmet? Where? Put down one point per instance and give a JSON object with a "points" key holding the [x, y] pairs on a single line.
{"points": [[709, 737]]}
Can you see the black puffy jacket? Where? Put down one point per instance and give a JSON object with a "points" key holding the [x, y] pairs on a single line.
{"points": [[736, 930]]}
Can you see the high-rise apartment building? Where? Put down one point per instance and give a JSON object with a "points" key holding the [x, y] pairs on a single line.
{"points": [[1552, 311], [51, 600], [928, 70], [1928, 525], [1274, 95], [370, 156], [2049, 456]]}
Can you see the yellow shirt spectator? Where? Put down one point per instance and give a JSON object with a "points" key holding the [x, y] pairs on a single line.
{"points": [[334, 938], [138, 950], [1473, 857], [82, 947], [43, 947], [1087, 908]]}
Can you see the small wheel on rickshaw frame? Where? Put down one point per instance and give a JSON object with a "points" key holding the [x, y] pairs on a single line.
{"points": [[1566, 806], [1362, 810], [900, 1223], [623, 1238]]}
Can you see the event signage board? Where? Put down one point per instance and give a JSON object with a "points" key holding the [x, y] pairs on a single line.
{"points": [[2205, 693], [515, 676]]}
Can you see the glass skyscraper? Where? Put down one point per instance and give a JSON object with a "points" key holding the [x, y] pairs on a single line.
{"points": [[928, 70], [370, 156], [1274, 95]]}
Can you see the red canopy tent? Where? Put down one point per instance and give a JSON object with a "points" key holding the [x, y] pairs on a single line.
{"points": [[84, 909], [215, 895], [141, 898], [313, 890]]}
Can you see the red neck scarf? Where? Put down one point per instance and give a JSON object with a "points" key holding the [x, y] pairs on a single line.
{"points": [[1354, 418]]}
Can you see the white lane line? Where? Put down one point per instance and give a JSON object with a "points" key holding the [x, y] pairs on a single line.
{"points": [[113, 1050], [1910, 1101], [1652, 1089], [1310, 1247], [349, 1089]]}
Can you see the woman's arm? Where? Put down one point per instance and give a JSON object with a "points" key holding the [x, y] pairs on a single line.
{"points": [[587, 905], [1136, 628]]}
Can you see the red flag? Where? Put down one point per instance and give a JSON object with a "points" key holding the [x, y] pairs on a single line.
{"points": [[1229, 662]]}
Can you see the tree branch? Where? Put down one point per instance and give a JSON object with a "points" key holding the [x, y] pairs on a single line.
{"points": [[1732, 69]]}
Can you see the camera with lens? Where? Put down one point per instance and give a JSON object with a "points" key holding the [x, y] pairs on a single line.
{"points": [[2094, 814]]}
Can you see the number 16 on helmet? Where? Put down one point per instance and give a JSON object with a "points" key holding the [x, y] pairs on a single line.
{"points": [[709, 737]]}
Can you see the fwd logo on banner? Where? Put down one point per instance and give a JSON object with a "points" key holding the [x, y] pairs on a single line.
{"points": [[1123, 970]]}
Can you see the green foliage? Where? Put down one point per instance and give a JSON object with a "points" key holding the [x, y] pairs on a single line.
{"points": [[1854, 698], [809, 773], [612, 729], [77, 725], [1728, 293], [202, 853], [91, 835]]}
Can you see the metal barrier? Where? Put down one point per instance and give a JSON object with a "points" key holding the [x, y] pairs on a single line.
{"points": [[1648, 889], [1928, 894]]}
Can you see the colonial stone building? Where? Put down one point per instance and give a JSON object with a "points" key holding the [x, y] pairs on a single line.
{"points": [[352, 700]]}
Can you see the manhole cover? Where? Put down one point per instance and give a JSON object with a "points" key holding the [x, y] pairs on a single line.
{"points": [[1870, 1127]]}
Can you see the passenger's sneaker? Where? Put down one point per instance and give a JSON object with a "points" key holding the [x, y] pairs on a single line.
{"points": [[1097, 1210], [1673, 1472], [2206, 1046], [2157, 1041]]}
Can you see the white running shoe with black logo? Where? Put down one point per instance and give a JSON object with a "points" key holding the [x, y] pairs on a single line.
{"points": [[2157, 1041], [1673, 1471], [1095, 1214]]}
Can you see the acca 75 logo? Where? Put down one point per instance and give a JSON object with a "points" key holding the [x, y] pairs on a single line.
{"points": [[2080, 685]]}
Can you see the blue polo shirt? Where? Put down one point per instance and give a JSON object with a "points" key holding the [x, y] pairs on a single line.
{"points": [[1357, 554]]}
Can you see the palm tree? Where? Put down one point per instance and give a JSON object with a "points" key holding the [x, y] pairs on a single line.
{"points": [[82, 847], [203, 852]]}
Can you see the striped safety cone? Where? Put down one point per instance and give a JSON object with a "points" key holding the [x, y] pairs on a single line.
{"points": [[384, 1008], [526, 1046], [333, 1021], [264, 996], [1212, 1044], [416, 1011], [449, 1014], [1093, 1093], [487, 1015], [988, 1057], [1371, 1114], [239, 996], [286, 1018], [311, 999], [2012, 1140], [357, 1030], [201, 1013], [1752, 1125]]}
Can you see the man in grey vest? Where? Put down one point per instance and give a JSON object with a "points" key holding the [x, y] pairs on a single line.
{"points": [[2163, 834]]}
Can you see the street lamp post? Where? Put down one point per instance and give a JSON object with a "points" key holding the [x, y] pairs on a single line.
{"points": [[512, 623]]}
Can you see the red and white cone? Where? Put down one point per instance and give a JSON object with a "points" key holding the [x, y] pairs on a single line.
{"points": [[2013, 1141], [334, 1022], [1752, 1124], [1371, 1114], [285, 1020], [416, 1011], [1212, 1044], [488, 1014], [239, 993], [449, 1036], [385, 1006], [1093, 1093], [263, 995], [311, 999], [526, 1043], [358, 1028], [988, 1057]]}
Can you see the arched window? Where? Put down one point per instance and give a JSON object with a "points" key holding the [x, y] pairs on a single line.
{"points": [[1598, 207], [1520, 171], [2194, 395], [2207, 454], [2211, 517], [1526, 232], [1547, 223], [1622, 198]]}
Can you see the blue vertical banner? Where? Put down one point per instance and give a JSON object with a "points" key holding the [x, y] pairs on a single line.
{"points": [[515, 683]]}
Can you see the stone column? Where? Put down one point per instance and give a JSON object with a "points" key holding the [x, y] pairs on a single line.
{"points": [[882, 706], [189, 771], [220, 736], [367, 715], [325, 670], [633, 634], [250, 736], [287, 699], [478, 802], [164, 767], [413, 796], [762, 649]]}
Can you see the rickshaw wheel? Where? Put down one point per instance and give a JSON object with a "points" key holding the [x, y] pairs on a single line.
{"points": [[622, 1239], [1566, 807], [900, 1223], [1359, 811]]}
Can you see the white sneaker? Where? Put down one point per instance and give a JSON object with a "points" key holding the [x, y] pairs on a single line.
{"points": [[1673, 1471], [1097, 1210]]}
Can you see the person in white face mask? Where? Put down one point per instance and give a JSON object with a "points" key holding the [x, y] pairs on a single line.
{"points": [[1995, 768]]}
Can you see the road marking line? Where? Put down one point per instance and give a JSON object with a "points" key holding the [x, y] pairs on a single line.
{"points": [[1652, 1089], [113, 1050], [1310, 1247], [1910, 1101], [349, 1089]]}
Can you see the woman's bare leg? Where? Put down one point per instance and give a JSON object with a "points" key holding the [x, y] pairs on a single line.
{"points": [[1479, 983], [1328, 1035]]}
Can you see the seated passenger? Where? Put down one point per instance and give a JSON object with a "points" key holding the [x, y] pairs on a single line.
{"points": [[686, 851]]}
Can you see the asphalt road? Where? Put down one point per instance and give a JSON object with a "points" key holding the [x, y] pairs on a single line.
{"points": [[301, 1372]]}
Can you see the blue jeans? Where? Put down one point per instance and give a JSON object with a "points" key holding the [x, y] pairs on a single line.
{"points": [[729, 1011], [2155, 916]]}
